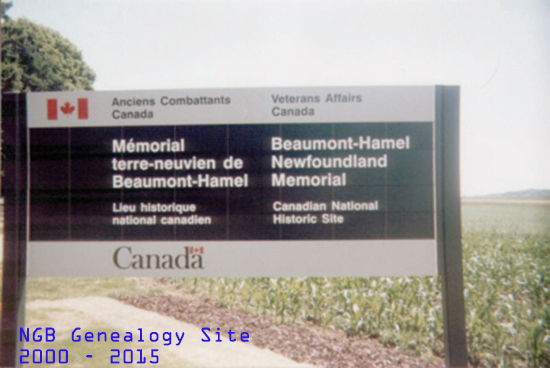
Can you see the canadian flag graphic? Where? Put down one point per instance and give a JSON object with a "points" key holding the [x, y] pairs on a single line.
{"points": [[196, 250], [67, 109]]}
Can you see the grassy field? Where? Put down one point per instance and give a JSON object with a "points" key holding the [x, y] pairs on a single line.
{"points": [[507, 293], [507, 282], [515, 218]]}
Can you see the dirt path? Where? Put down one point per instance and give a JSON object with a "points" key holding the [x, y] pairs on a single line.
{"points": [[97, 314]]}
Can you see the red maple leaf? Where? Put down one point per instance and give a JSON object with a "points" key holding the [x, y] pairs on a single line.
{"points": [[67, 108]]}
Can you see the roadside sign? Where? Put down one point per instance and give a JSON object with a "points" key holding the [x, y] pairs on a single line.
{"points": [[251, 182]]}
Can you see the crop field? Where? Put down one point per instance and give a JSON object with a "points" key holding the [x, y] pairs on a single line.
{"points": [[506, 250]]}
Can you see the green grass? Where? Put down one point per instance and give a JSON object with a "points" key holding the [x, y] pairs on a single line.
{"points": [[57, 287], [507, 294]]}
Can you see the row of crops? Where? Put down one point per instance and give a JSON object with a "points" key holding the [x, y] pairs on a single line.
{"points": [[507, 295]]}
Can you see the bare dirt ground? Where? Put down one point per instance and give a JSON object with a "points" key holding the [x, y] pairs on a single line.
{"points": [[300, 343]]}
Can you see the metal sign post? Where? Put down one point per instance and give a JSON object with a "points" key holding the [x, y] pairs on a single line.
{"points": [[449, 227], [14, 162]]}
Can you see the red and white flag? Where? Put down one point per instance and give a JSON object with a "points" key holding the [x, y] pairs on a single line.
{"points": [[67, 109], [196, 250]]}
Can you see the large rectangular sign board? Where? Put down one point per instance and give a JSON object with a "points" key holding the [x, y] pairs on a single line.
{"points": [[242, 182], [321, 181]]}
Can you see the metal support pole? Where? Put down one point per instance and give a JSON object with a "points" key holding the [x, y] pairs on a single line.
{"points": [[14, 157], [448, 225]]}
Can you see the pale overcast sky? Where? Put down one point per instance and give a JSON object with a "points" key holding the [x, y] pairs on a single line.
{"points": [[497, 51]]}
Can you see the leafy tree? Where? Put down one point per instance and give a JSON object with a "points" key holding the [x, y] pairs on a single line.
{"points": [[36, 58], [6, 5]]}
